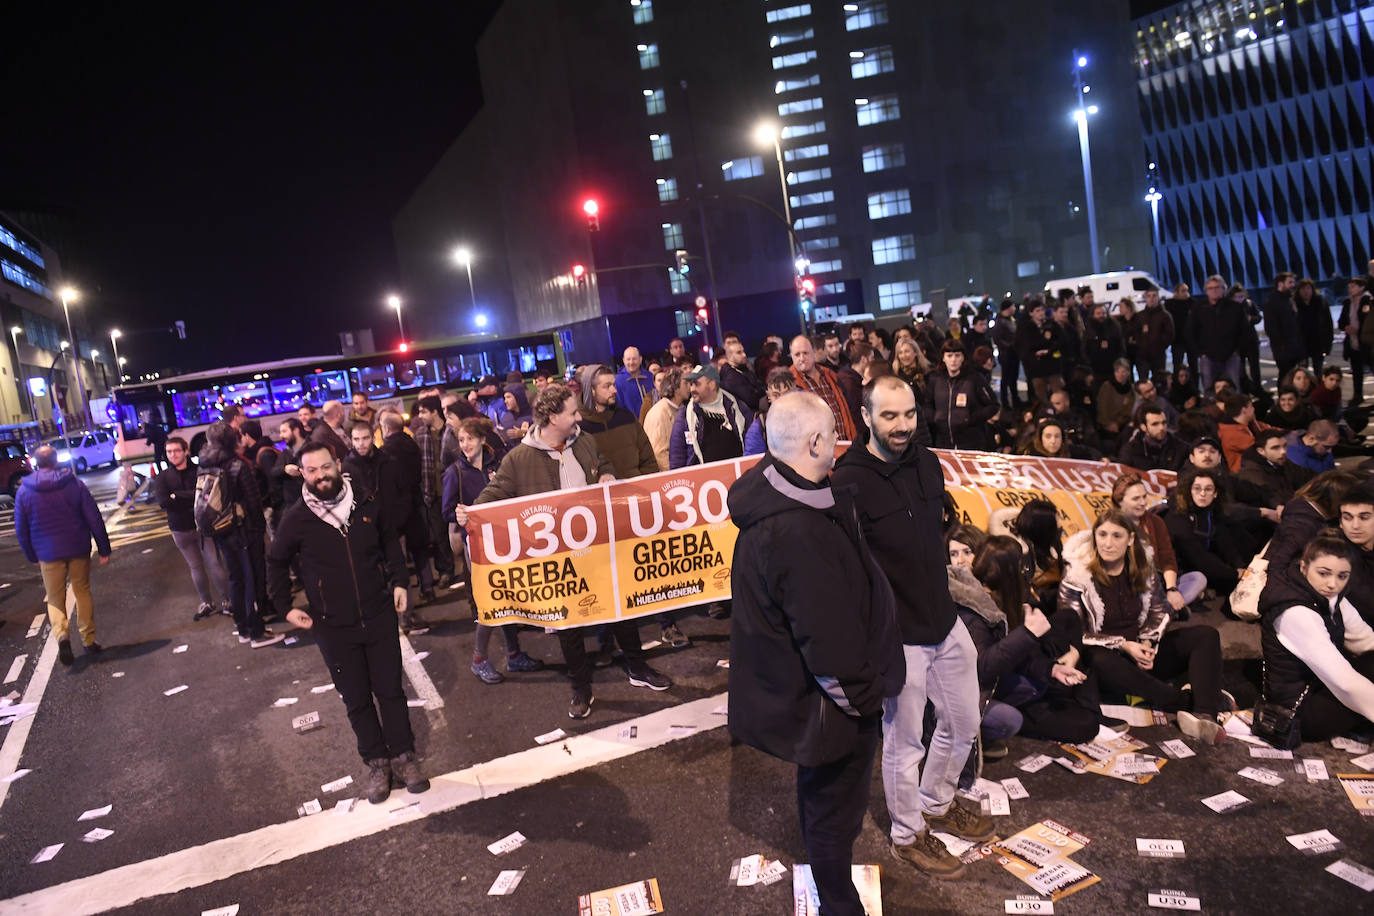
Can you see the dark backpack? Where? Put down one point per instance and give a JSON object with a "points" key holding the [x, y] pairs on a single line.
{"points": [[216, 511]]}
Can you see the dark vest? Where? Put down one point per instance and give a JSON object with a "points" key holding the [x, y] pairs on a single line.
{"points": [[1286, 675]]}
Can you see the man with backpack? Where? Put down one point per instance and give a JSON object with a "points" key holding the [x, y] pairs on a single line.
{"points": [[226, 496], [176, 494]]}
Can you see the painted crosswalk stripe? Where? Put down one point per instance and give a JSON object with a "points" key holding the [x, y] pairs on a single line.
{"points": [[246, 852]]}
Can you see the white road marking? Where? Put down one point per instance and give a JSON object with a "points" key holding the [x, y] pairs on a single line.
{"points": [[419, 678], [224, 858], [13, 748]]}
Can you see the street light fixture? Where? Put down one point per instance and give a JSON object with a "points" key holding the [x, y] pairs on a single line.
{"points": [[114, 343], [766, 134], [1080, 115], [18, 373], [395, 302], [463, 255]]}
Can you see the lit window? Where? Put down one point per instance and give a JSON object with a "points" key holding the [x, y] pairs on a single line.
{"points": [[878, 109], [800, 105], [672, 236], [736, 169], [801, 82], [661, 145], [789, 12], [10, 240], [889, 203], [679, 284], [873, 62], [653, 101], [901, 295], [808, 175], [883, 156], [21, 277], [865, 15], [667, 189], [794, 35], [894, 248], [644, 11], [1027, 268], [830, 289], [814, 222], [793, 60], [648, 57], [806, 152], [832, 241], [812, 199], [803, 130], [827, 267]]}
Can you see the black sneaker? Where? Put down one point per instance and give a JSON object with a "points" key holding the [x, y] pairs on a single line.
{"points": [[674, 637], [426, 597], [445, 581], [995, 750], [94, 648], [581, 705], [604, 657], [64, 651], [406, 769], [1120, 726], [205, 610], [644, 676], [718, 611], [378, 780]]}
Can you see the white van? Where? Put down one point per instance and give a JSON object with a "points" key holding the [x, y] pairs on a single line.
{"points": [[1110, 288]]}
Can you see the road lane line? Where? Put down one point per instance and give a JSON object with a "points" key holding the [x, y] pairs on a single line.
{"points": [[220, 859], [13, 748], [419, 678]]}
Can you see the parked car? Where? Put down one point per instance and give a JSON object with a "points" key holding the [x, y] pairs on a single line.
{"points": [[86, 450], [14, 465]]}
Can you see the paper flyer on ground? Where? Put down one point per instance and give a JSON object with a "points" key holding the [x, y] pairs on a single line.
{"points": [[639, 899], [1119, 758], [1039, 856], [1359, 788], [867, 881]]}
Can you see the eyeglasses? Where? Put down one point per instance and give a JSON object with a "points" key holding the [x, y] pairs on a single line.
{"points": [[1204, 490]]}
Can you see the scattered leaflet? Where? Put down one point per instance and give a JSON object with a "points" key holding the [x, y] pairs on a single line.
{"points": [[1359, 788], [639, 899]]}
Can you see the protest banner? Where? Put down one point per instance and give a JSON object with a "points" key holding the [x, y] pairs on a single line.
{"points": [[631, 548]]}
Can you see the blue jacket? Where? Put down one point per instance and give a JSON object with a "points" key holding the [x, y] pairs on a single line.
{"points": [[755, 441], [631, 392], [463, 483], [1302, 455], [55, 517]]}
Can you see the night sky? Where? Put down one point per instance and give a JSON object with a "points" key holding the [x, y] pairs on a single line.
{"points": [[235, 168]]}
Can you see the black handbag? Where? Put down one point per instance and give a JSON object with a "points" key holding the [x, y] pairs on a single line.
{"points": [[1275, 723]]}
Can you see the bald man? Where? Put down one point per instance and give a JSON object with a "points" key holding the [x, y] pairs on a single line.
{"points": [[814, 646], [815, 378], [633, 386]]}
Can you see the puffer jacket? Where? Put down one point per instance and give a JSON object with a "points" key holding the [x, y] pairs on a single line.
{"points": [[1078, 592], [961, 407], [55, 517]]}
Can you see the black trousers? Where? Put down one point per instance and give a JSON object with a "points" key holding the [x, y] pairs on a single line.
{"points": [[1011, 370], [1357, 370], [574, 644], [256, 543], [831, 801], [1321, 716], [437, 529], [1194, 651], [365, 662]]}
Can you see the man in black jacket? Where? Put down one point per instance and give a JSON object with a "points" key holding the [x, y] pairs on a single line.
{"points": [[176, 494], [961, 402], [1282, 326], [1216, 326], [1265, 465], [813, 643], [354, 604], [1151, 446], [412, 524], [901, 499], [737, 378], [1039, 346]]}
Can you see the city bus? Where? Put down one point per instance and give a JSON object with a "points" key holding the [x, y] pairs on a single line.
{"points": [[270, 392]]}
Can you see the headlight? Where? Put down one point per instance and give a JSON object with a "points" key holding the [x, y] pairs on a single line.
{"points": [[64, 457]]}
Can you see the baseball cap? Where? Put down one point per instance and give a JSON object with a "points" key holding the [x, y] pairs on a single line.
{"points": [[706, 371], [1213, 441]]}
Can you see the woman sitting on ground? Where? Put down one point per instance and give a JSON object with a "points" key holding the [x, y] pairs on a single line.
{"points": [[1042, 564], [1110, 585], [1026, 660], [1318, 650], [1315, 506], [1130, 496], [1204, 539], [962, 543], [1049, 441]]}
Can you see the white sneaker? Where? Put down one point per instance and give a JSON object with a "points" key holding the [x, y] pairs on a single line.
{"points": [[1203, 728], [268, 639]]}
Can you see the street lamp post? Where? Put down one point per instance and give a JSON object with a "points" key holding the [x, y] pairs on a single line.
{"points": [[395, 302], [464, 256], [766, 134], [114, 343], [1080, 114], [18, 373], [68, 296]]}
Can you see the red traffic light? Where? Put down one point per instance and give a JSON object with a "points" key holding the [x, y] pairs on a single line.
{"points": [[703, 315], [808, 286], [591, 207], [404, 346], [579, 271]]}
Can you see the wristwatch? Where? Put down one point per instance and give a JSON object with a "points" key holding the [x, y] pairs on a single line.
{"points": [[1172, 588]]}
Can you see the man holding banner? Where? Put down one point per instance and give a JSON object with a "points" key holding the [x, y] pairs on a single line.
{"points": [[554, 455]]}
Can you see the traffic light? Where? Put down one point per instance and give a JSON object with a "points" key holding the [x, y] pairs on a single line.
{"points": [[703, 316], [682, 266], [593, 210], [808, 295], [579, 273]]}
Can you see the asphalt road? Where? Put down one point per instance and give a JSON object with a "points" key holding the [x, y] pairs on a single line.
{"points": [[218, 764]]}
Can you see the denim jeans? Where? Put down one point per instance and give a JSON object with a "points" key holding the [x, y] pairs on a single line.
{"points": [[947, 676], [1191, 585], [237, 564], [202, 557], [1001, 721], [1209, 370]]}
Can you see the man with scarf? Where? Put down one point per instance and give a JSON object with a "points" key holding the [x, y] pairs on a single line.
{"points": [[355, 577]]}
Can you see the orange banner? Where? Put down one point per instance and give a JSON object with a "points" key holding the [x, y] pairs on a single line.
{"points": [[630, 548]]}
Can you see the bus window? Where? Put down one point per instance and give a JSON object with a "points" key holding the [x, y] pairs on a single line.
{"points": [[544, 353], [327, 386], [467, 367], [407, 377], [251, 396], [374, 381], [192, 408], [287, 394], [428, 371]]}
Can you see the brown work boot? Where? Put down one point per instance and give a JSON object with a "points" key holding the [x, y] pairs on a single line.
{"points": [[378, 780], [930, 856], [962, 822], [406, 769]]}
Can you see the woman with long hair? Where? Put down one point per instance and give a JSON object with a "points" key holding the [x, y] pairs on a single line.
{"points": [[1037, 527], [910, 365], [1131, 325], [1204, 538], [1315, 506], [962, 543], [1110, 584], [1180, 589]]}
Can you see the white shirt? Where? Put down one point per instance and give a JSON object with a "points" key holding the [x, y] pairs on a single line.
{"points": [[1302, 632]]}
